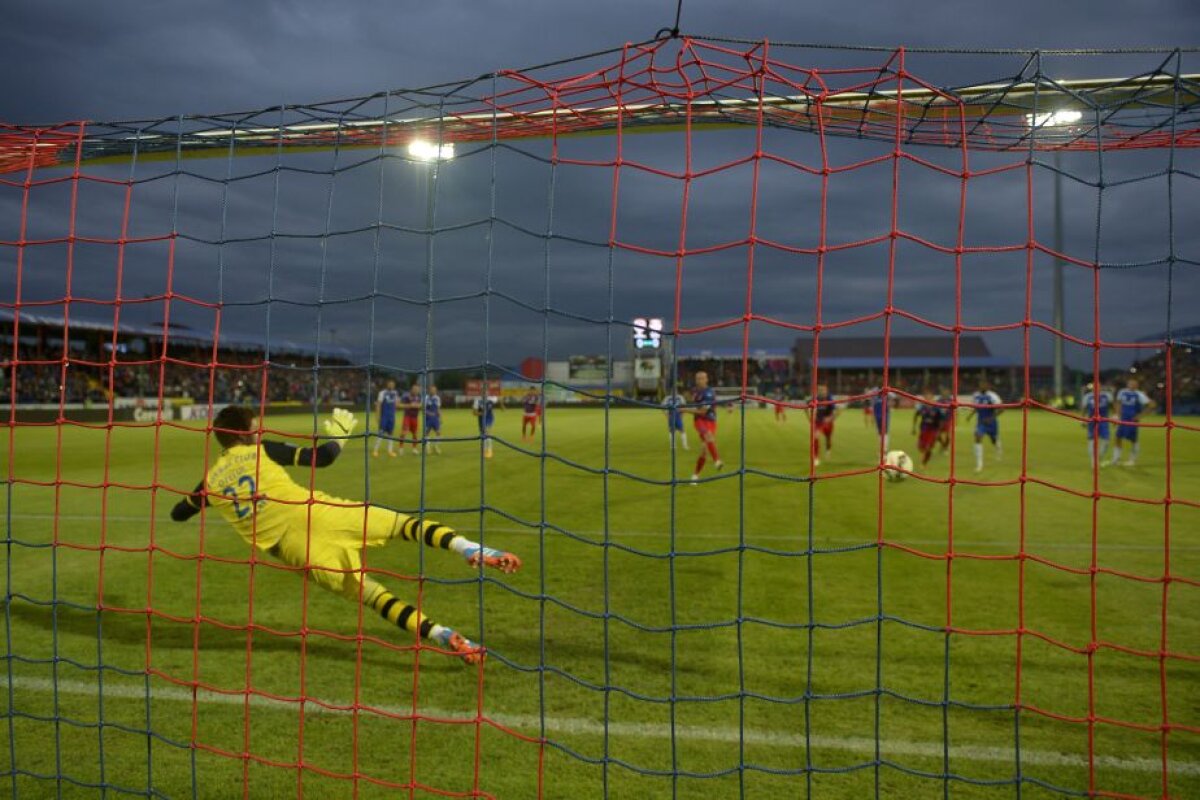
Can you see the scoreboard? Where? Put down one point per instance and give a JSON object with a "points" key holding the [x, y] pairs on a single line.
{"points": [[647, 354], [647, 333]]}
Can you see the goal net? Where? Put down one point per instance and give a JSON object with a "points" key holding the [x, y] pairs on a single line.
{"points": [[681, 302]]}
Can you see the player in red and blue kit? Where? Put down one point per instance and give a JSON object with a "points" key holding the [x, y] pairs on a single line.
{"points": [[704, 419], [822, 416], [433, 417], [386, 405], [929, 416], [1097, 409], [411, 402], [986, 415], [780, 403], [1132, 402], [946, 402], [532, 409]]}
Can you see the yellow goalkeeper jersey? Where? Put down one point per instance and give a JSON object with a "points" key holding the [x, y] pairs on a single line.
{"points": [[256, 495]]}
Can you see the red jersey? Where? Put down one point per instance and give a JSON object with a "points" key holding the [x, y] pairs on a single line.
{"points": [[412, 405]]}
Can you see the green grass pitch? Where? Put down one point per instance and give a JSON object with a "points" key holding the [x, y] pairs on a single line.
{"points": [[762, 605]]}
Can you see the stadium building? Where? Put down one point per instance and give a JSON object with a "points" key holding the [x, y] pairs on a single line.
{"points": [[81, 363], [1181, 371], [851, 365], [766, 372]]}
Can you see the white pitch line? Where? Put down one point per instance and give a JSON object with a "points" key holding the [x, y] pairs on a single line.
{"points": [[682, 537], [862, 746]]}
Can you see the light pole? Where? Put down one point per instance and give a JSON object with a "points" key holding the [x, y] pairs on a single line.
{"points": [[1058, 279], [428, 155], [1055, 120]]}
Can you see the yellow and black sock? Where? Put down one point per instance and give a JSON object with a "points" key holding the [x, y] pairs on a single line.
{"points": [[401, 614], [434, 534]]}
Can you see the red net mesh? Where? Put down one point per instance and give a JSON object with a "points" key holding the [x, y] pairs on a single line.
{"points": [[685, 88]]}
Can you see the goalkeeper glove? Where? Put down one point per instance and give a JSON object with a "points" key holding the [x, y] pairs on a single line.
{"points": [[341, 422]]}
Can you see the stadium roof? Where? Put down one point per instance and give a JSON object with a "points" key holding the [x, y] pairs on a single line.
{"points": [[731, 353], [903, 352], [231, 341], [1189, 335]]}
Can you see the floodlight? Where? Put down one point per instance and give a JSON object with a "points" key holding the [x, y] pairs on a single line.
{"points": [[1054, 119], [422, 150]]}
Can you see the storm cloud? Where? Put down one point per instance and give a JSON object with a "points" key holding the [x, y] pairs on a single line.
{"points": [[519, 248]]}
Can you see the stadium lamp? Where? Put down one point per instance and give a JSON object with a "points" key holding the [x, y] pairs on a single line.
{"points": [[422, 150], [1054, 119]]}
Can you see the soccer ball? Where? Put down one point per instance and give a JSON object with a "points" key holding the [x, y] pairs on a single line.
{"points": [[897, 460]]}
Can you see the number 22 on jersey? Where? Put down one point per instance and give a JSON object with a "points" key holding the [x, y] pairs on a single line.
{"points": [[242, 505]]}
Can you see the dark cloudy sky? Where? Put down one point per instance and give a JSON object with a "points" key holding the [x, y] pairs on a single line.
{"points": [[125, 60]]}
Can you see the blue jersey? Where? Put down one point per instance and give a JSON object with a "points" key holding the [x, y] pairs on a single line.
{"points": [[985, 411], [1097, 404], [1131, 403], [881, 404], [433, 408], [673, 405], [387, 400], [486, 410], [706, 399]]}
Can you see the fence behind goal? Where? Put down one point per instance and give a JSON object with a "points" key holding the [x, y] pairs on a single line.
{"points": [[772, 617]]}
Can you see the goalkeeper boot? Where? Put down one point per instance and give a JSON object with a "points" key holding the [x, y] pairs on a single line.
{"points": [[496, 559], [460, 645]]}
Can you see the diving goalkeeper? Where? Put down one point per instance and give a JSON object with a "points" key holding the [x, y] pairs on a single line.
{"points": [[318, 533]]}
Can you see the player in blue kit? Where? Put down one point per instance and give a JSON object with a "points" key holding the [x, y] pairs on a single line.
{"points": [[484, 409], [1097, 408], [881, 410], [674, 407], [433, 418], [386, 404], [987, 422], [1132, 402]]}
